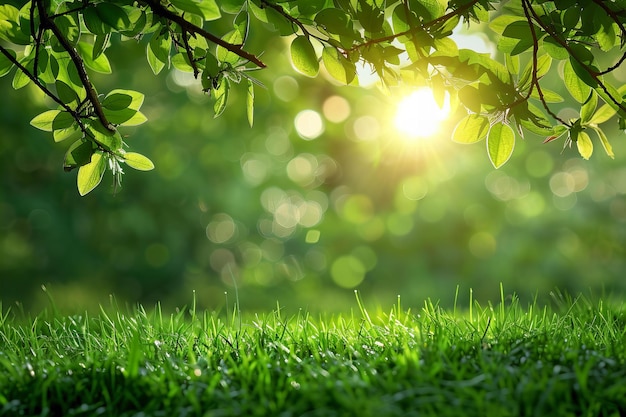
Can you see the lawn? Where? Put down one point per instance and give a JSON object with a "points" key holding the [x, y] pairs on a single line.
{"points": [[567, 359]]}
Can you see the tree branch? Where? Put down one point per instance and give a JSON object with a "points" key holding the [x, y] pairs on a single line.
{"points": [[158, 9], [92, 95], [414, 29], [592, 73]]}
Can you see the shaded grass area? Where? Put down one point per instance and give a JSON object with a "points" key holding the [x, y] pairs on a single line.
{"points": [[503, 360]]}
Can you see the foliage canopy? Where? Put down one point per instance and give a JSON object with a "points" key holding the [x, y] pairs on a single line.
{"points": [[58, 44]]}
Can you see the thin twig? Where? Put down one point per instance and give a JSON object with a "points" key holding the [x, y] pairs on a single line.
{"points": [[192, 61]]}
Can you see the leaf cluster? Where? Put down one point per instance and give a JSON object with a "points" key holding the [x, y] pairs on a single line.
{"points": [[57, 45]]}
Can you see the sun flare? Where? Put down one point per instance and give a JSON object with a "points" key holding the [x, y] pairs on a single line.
{"points": [[419, 116]]}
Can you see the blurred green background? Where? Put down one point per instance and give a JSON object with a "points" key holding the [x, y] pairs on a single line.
{"points": [[321, 197]]}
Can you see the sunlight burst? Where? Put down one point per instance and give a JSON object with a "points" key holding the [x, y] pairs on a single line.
{"points": [[419, 116]]}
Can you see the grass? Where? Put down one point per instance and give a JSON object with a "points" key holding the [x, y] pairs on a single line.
{"points": [[502, 360]]}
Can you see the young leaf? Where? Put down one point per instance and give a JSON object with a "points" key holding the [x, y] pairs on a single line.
{"points": [[20, 79], [576, 87], [587, 110], [584, 144], [221, 97], [138, 161], [303, 56], [90, 175], [605, 142], [158, 52], [338, 66], [471, 129], [44, 120], [100, 64], [604, 113], [500, 144], [156, 65], [60, 135]]}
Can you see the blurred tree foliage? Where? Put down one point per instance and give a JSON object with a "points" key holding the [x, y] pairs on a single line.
{"points": [[322, 196]]}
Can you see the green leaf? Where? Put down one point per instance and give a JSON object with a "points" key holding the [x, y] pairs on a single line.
{"points": [[604, 113], [605, 142], [303, 56], [431, 9], [554, 49], [115, 97], [549, 96], [101, 43], [576, 87], [60, 135], [10, 29], [156, 65], [250, 103], [63, 120], [224, 55], [125, 117], [65, 92], [113, 15], [117, 101], [500, 144], [500, 23], [78, 154], [138, 161], [44, 120], [516, 36], [6, 65], [158, 52], [20, 79], [471, 129], [587, 110], [470, 98], [335, 21], [242, 24], [94, 23], [111, 141], [221, 97], [207, 9], [100, 64], [584, 144], [180, 61], [90, 175], [544, 63], [338, 66]]}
